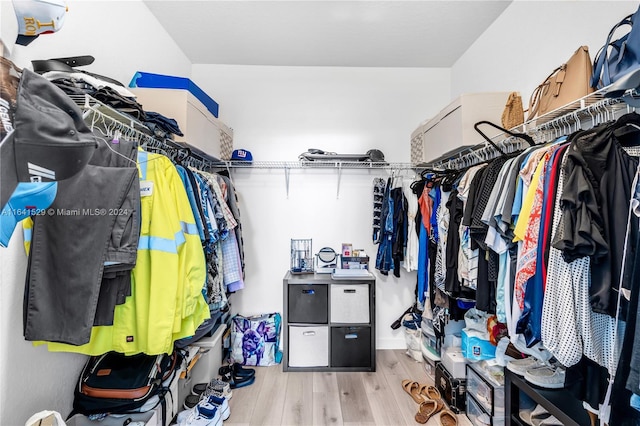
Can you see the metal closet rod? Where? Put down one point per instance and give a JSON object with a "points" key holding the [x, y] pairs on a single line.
{"points": [[364, 165]]}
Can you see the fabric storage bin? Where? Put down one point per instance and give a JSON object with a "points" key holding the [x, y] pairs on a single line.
{"points": [[350, 303], [308, 346], [476, 348], [479, 417], [308, 303], [351, 346], [485, 391], [453, 390]]}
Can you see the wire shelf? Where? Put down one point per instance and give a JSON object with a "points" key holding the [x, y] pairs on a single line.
{"points": [[363, 165], [583, 113]]}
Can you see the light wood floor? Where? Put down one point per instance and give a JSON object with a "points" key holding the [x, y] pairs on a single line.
{"points": [[296, 398]]}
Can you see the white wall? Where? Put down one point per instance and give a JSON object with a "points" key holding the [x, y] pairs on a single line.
{"points": [[279, 112], [124, 37], [530, 39]]}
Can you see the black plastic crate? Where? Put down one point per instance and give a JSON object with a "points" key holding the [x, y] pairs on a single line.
{"points": [[453, 391]]}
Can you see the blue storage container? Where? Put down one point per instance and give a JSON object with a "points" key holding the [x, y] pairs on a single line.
{"points": [[160, 81]]}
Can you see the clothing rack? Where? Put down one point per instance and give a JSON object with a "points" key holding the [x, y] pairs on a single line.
{"points": [[323, 164], [583, 113], [115, 123]]}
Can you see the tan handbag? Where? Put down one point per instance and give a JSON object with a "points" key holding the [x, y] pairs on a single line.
{"points": [[513, 114], [564, 85]]}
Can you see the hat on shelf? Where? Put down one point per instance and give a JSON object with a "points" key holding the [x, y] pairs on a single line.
{"points": [[49, 142], [37, 17], [241, 155]]}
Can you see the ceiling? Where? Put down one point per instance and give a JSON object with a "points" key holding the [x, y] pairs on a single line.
{"points": [[391, 33]]}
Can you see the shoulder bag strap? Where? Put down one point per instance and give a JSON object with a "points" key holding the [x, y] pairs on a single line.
{"points": [[598, 63], [536, 96]]}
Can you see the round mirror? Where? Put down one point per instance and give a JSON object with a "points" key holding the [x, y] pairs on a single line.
{"points": [[327, 254]]}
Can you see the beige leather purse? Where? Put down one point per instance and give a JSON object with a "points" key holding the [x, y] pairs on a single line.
{"points": [[565, 84]]}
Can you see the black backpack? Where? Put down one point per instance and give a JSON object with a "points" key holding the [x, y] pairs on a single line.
{"points": [[119, 384]]}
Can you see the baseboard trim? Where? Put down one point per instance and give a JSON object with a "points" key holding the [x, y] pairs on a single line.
{"points": [[391, 344]]}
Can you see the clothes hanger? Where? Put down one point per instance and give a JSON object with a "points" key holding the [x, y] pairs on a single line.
{"points": [[523, 136], [114, 151]]}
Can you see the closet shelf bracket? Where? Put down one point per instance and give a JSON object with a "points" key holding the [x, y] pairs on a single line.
{"points": [[287, 172], [339, 179]]}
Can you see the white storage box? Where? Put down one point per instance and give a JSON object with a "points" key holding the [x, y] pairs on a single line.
{"points": [[200, 128], [453, 125], [211, 357], [455, 362], [308, 346], [350, 303]]}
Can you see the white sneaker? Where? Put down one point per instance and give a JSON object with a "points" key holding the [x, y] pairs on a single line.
{"points": [[546, 377], [520, 366], [221, 403], [203, 414]]}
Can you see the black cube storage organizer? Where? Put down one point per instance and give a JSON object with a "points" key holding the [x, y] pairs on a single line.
{"points": [[328, 324], [453, 391]]}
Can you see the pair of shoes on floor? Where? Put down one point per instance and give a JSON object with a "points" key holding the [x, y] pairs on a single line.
{"points": [[544, 374], [215, 387], [237, 370], [244, 377], [539, 416], [209, 411], [430, 401]]}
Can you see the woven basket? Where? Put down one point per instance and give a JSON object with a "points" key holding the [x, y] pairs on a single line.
{"points": [[417, 146], [513, 114]]}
